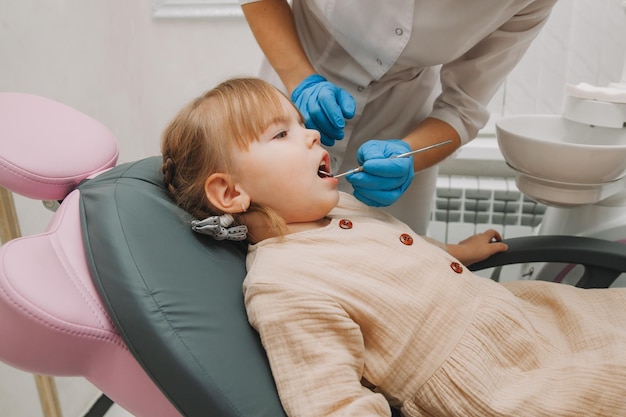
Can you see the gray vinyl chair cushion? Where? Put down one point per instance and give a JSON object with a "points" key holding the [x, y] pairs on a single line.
{"points": [[175, 296]]}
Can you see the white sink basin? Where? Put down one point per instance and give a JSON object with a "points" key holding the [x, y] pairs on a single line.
{"points": [[552, 148]]}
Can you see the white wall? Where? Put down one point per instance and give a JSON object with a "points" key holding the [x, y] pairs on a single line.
{"points": [[583, 41], [111, 60]]}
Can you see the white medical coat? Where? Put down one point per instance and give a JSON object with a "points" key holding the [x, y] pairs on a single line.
{"points": [[405, 60]]}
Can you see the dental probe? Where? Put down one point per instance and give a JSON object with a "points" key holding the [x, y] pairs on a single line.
{"points": [[402, 155]]}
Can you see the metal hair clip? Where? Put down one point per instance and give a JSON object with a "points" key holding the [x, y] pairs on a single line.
{"points": [[219, 228]]}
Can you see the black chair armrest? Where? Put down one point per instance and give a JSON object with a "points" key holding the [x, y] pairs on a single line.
{"points": [[603, 260]]}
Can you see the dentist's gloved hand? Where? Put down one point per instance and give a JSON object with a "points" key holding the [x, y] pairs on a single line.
{"points": [[324, 107], [382, 180]]}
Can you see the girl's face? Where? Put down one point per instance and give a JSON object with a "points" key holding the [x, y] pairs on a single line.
{"points": [[280, 170]]}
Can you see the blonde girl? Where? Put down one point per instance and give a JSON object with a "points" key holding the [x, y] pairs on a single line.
{"points": [[356, 311]]}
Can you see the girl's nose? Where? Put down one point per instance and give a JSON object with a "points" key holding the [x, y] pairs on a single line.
{"points": [[313, 136]]}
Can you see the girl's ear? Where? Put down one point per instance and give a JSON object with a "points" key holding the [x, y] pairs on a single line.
{"points": [[224, 194]]}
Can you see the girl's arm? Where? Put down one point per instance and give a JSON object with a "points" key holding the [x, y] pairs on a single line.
{"points": [[475, 248], [315, 352]]}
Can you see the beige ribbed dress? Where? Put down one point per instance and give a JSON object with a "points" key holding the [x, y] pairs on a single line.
{"points": [[356, 316]]}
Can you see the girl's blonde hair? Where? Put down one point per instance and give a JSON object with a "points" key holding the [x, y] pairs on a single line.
{"points": [[201, 138]]}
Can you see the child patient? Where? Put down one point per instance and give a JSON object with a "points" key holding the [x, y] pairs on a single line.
{"points": [[356, 311]]}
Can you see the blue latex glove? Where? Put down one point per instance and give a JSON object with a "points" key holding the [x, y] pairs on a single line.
{"points": [[382, 180], [324, 107]]}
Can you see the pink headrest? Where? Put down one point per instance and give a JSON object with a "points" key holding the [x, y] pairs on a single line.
{"points": [[47, 148]]}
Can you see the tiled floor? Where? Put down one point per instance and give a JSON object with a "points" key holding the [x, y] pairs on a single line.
{"points": [[117, 411], [19, 397]]}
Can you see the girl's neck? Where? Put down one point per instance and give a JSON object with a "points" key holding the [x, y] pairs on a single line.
{"points": [[259, 230], [300, 227]]}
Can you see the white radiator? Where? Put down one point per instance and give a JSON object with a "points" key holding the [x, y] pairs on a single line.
{"points": [[465, 205]]}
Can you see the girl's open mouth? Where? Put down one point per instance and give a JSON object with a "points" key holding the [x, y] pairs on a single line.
{"points": [[323, 170]]}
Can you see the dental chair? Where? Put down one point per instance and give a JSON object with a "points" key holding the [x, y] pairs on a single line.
{"points": [[120, 291]]}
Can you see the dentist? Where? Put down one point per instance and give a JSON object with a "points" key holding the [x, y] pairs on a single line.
{"points": [[379, 78]]}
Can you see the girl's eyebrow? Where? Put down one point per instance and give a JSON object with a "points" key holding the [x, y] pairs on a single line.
{"points": [[279, 118]]}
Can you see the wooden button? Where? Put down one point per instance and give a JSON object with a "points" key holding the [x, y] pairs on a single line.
{"points": [[456, 267], [345, 224], [406, 239]]}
